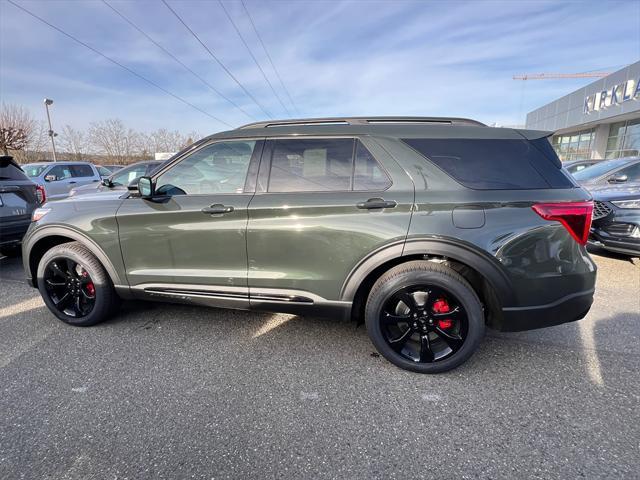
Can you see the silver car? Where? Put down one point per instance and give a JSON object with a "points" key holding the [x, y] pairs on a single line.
{"points": [[60, 177]]}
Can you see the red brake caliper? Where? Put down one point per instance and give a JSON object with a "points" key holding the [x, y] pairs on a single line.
{"points": [[91, 289], [442, 306]]}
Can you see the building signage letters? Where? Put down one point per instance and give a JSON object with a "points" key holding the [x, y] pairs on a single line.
{"points": [[616, 95]]}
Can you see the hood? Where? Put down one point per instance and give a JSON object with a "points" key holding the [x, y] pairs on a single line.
{"points": [[98, 195], [615, 192]]}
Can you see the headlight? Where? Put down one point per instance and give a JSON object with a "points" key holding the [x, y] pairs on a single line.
{"points": [[627, 203], [38, 213]]}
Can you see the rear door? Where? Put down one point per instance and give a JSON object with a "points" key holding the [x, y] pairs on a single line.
{"points": [[321, 206], [83, 175], [190, 240]]}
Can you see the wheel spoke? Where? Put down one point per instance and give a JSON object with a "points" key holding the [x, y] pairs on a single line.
{"points": [[77, 306], [58, 271], [409, 300], [399, 342], [71, 268], [55, 284], [426, 354], [62, 301], [388, 319], [452, 339], [454, 312]]}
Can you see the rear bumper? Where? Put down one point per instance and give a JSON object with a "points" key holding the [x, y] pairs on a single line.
{"points": [[567, 309]]}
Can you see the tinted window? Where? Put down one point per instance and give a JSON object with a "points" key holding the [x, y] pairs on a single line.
{"points": [[10, 171], [599, 169], [81, 171], [61, 172], [217, 168], [128, 174], [33, 170], [494, 164], [633, 173], [367, 173], [311, 165]]}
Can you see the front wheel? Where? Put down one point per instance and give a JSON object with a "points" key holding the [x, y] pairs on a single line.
{"points": [[424, 317], [75, 286]]}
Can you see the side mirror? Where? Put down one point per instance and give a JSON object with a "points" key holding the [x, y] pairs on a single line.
{"points": [[146, 188], [106, 182], [50, 178], [618, 178]]}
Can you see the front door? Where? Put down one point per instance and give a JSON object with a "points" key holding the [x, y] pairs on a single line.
{"points": [[58, 181], [190, 239], [325, 204]]}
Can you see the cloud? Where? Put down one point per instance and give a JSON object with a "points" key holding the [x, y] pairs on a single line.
{"points": [[336, 58]]}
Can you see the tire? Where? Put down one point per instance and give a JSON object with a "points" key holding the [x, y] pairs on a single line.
{"points": [[397, 327], [79, 308], [11, 251]]}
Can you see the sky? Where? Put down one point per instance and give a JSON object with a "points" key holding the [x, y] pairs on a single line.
{"points": [[335, 58]]}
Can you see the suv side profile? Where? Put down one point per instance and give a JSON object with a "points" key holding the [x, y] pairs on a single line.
{"points": [[60, 177], [427, 229]]}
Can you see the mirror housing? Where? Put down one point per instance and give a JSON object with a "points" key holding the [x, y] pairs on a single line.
{"points": [[50, 178], [618, 178], [145, 187], [106, 182]]}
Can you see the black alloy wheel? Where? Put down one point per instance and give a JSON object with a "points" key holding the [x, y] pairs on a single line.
{"points": [[70, 287], [424, 317], [424, 323]]}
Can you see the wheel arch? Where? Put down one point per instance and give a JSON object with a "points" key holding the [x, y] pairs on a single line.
{"points": [[479, 269], [45, 238]]}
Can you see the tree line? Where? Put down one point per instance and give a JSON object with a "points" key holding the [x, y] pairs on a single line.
{"points": [[107, 141]]}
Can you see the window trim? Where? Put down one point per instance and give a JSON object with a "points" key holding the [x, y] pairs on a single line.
{"points": [[257, 152], [267, 155]]}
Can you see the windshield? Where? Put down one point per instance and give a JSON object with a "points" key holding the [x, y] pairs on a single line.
{"points": [[33, 170], [598, 169], [128, 174]]}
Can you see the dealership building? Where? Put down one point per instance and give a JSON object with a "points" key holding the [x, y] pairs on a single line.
{"points": [[601, 120]]}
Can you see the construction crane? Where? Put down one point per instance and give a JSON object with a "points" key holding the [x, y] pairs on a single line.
{"points": [[548, 76]]}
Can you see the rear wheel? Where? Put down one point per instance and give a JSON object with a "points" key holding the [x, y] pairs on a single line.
{"points": [[75, 286], [424, 317]]}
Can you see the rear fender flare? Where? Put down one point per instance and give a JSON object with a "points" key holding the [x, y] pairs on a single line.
{"points": [[454, 249]]}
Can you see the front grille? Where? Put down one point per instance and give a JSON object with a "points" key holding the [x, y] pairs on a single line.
{"points": [[620, 229], [600, 210]]}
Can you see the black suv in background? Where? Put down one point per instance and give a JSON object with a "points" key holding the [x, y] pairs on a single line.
{"points": [[616, 218], [428, 229], [18, 197]]}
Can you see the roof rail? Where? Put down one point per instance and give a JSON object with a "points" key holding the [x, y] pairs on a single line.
{"points": [[363, 121]]}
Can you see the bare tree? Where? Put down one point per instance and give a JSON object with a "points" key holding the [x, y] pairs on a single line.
{"points": [[16, 126], [117, 142], [74, 143], [163, 140]]}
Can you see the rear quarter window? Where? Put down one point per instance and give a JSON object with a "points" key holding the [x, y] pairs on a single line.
{"points": [[494, 164], [10, 171]]}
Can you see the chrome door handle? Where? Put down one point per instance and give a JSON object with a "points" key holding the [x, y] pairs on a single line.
{"points": [[217, 208], [375, 203]]}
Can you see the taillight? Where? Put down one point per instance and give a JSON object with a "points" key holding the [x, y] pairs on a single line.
{"points": [[41, 194], [575, 216]]}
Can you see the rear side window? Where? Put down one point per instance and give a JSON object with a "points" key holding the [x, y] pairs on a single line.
{"points": [[324, 165], [60, 172], [10, 171], [494, 164], [81, 171]]}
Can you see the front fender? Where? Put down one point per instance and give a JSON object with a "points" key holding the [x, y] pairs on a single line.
{"points": [[108, 254]]}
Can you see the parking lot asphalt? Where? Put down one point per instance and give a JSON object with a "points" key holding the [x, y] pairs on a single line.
{"points": [[170, 391]]}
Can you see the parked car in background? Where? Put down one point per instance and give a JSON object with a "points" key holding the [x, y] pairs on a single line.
{"points": [[610, 172], [104, 171], [60, 177], [115, 168], [427, 229], [616, 218], [119, 180], [18, 198], [575, 166]]}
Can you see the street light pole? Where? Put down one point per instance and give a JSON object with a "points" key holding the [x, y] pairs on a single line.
{"points": [[47, 102]]}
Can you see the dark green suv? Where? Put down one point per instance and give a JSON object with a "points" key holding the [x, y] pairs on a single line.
{"points": [[426, 229]]}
